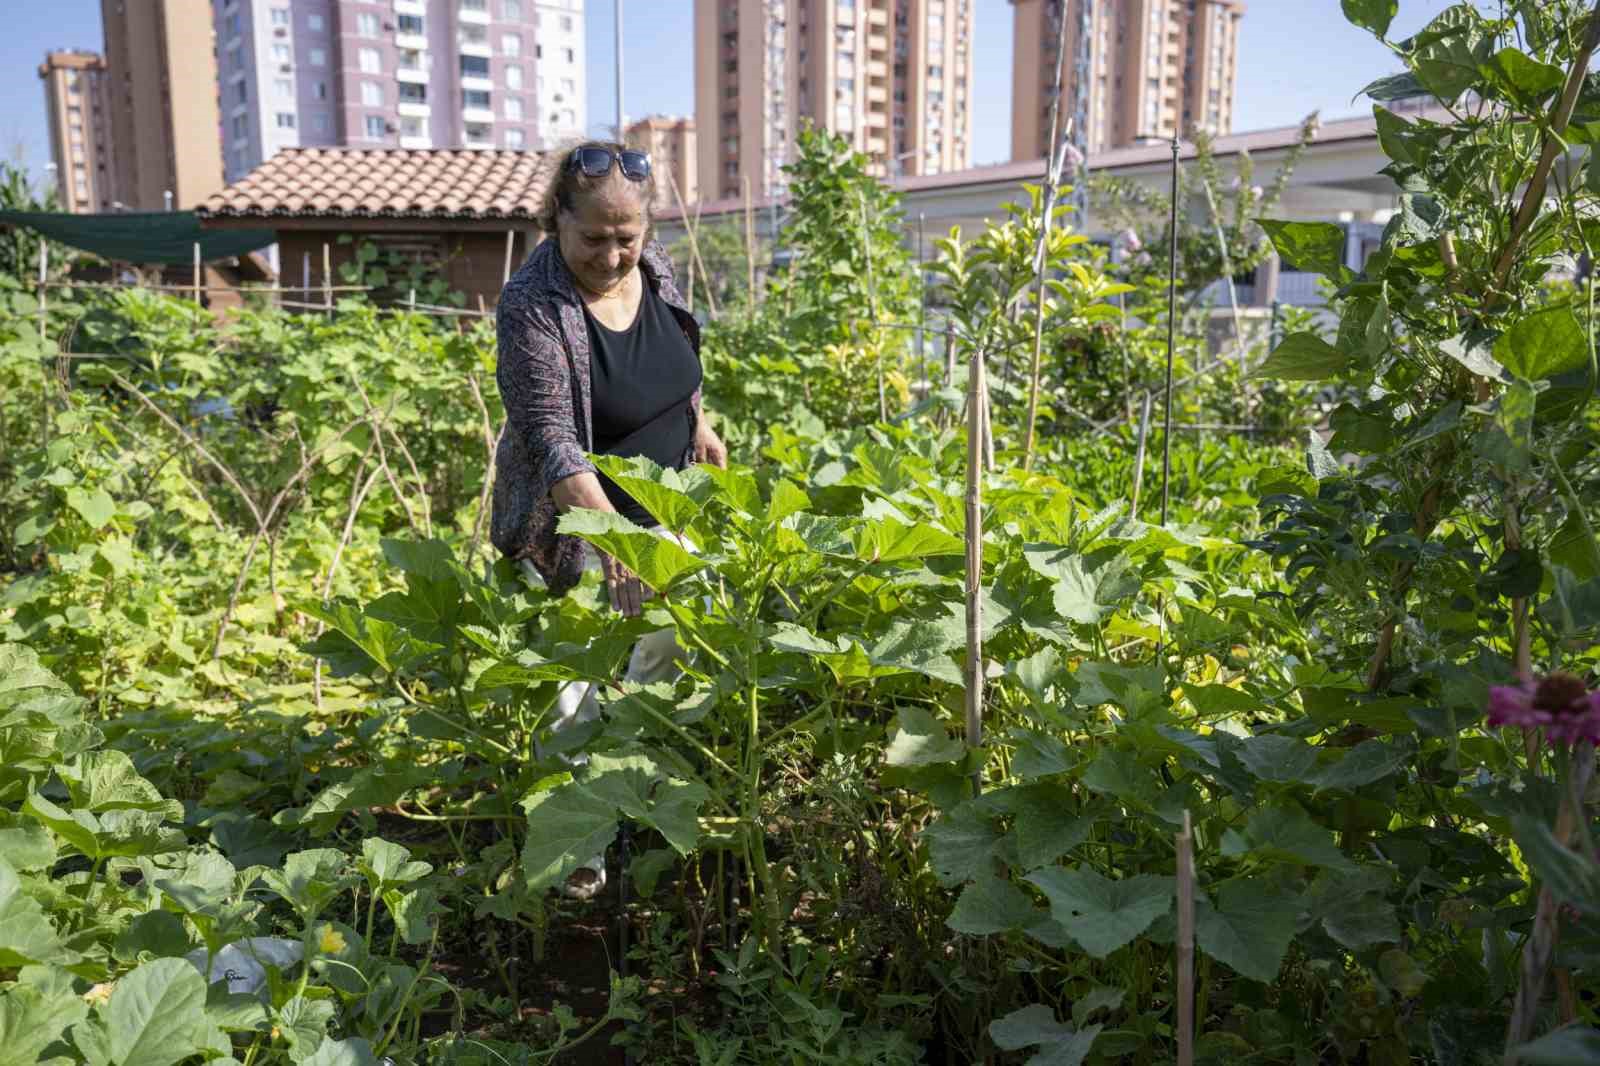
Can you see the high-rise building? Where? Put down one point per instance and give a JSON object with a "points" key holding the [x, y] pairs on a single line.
{"points": [[75, 87], [671, 144], [162, 102], [893, 76], [398, 74], [1154, 68]]}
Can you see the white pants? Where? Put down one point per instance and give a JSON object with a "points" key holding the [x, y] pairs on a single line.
{"points": [[654, 657]]}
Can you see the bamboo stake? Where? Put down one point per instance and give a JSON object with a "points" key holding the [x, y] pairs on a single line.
{"points": [[511, 240], [750, 240], [1172, 322], [974, 664], [1041, 257], [44, 272], [1138, 462], [690, 230], [1186, 943], [198, 279], [327, 278], [872, 309]]}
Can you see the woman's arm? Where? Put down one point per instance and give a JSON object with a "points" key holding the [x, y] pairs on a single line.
{"points": [[580, 490]]}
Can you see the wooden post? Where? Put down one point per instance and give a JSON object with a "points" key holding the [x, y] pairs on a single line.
{"points": [[199, 279], [1138, 462], [305, 277], [411, 301], [511, 240], [327, 278], [1185, 940], [973, 704]]}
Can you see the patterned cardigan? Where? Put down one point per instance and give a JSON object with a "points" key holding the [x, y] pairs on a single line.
{"points": [[543, 374]]}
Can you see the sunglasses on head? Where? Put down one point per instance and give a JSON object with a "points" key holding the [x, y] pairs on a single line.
{"points": [[596, 162]]}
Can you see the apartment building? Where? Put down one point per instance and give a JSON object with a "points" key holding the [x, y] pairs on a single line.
{"points": [[893, 76], [398, 74], [161, 102], [673, 154], [76, 105], [1155, 68]]}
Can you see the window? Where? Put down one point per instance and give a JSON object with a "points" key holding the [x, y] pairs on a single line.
{"points": [[511, 10], [569, 118], [566, 23], [320, 90], [410, 59], [376, 127], [572, 57], [280, 53], [286, 120], [477, 133], [371, 94], [283, 86], [316, 23], [236, 57], [371, 61], [475, 5], [516, 140], [412, 93], [473, 35], [411, 126], [513, 106], [280, 17], [511, 45], [239, 126], [410, 24], [513, 77], [320, 124], [474, 67], [935, 73], [475, 98], [568, 86], [538, 51], [233, 24], [241, 91], [367, 24], [319, 57]]}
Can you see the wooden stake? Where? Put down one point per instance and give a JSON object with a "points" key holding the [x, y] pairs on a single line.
{"points": [[872, 309], [305, 276], [511, 240], [327, 278], [1138, 462], [1185, 942], [1041, 258], [974, 666], [691, 228], [199, 281]]}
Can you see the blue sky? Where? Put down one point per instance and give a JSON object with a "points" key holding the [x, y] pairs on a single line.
{"points": [[1295, 56]]}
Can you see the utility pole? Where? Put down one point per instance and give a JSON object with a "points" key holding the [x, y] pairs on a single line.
{"points": [[621, 130]]}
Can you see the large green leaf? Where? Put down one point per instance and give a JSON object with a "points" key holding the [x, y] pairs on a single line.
{"points": [[1315, 247], [963, 844], [1249, 927], [94, 506], [1371, 760], [658, 561], [658, 490], [922, 740], [1278, 758], [991, 905], [351, 1051], [1285, 832], [889, 540], [1447, 54], [566, 826], [107, 781], [1371, 15], [1543, 344], [1036, 1026], [35, 1012], [1087, 588], [26, 935], [156, 1015], [1302, 357], [1102, 915], [1573, 1045], [1521, 77]]}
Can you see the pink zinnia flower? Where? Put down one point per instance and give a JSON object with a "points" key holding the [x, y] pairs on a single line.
{"points": [[1130, 240], [1560, 704]]}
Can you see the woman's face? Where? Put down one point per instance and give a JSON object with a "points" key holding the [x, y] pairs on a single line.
{"points": [[602, 236]]}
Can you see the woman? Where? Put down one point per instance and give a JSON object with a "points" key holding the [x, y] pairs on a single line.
{"points": [[597, 353]]}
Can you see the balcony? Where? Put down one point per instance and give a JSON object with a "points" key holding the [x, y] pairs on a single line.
{"points": [[474, 15], [478, 142], [415, 142], [413, 109], [877, 95], [878, 17], [418, 8], [484, 85], [411, 42], [477, 114], [481, 49], [412, 75], [877, 68]]}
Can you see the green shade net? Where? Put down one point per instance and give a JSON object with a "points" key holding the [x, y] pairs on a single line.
{"points": [[141, 237]]}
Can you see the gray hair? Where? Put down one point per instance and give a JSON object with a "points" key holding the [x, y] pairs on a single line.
{"points": [[564, 188]]}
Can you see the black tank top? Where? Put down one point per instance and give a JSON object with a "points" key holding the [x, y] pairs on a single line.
{"points": [[641, 381]]}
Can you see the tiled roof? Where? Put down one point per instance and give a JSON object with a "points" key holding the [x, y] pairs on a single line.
{"points": [[482, 184]]}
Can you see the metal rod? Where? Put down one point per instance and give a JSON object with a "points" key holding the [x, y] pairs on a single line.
{"points": [[620, 130], [973, 704], [1138, 461], [1186, 895]]}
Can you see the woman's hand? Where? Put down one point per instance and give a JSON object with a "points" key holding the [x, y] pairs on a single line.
{"points": [[708, 447], [627, 592]]}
